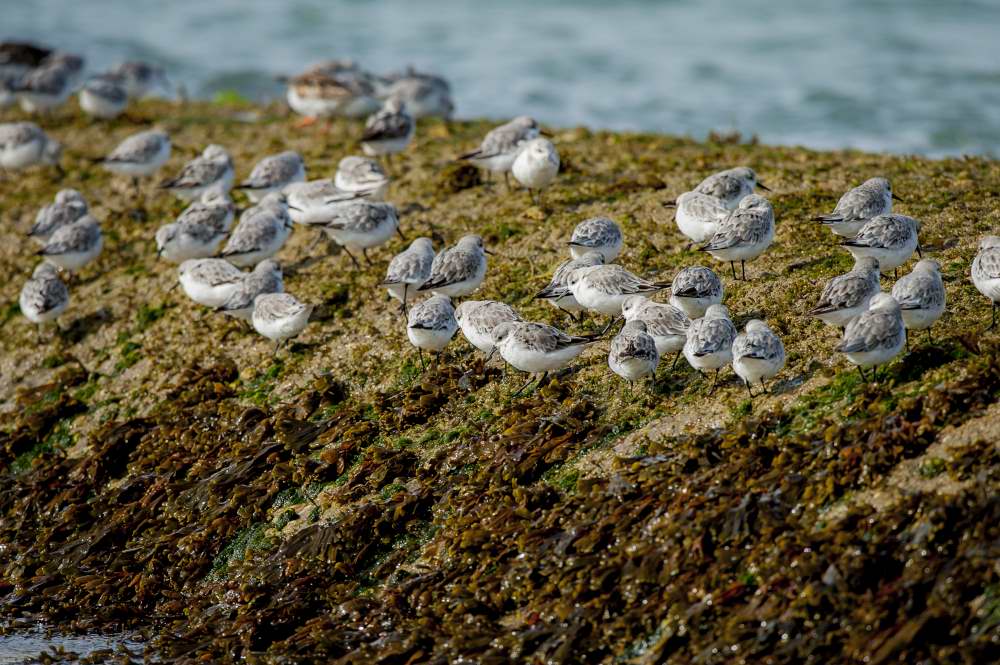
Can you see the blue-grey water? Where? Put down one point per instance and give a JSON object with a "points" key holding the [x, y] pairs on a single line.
{"points": [[26, 645], [896, 75]]}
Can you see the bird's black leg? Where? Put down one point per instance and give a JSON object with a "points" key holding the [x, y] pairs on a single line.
{"points": [[353, 260], [406, 287], [364, 252], [715, 379], [749, 390], [520, 390], [994, 324], [906, 340], [862, 373], [743, 266], [506, 181], [763, 387], [400, 232], [919, 253], [423, 365], [930, 339], [732, 264], [674, 364]]}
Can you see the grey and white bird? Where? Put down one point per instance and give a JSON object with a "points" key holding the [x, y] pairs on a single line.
{"points": [[870, 199], [558, 293], [744, 234], [362, 225], [986, 272], [709, 344], [408, 270], [536, 166], [333, 88], [44, 297], [213, 169], [921, 296], [698, 215], [143, 80], [71, 63], [501, 145], [597, 234], [846, 296], [388, 131], [261, 232], [875, 337], [536, 347], [103, 97], [731, 186], [266, 277], [209, 282], [279, 317], [73, 246], [458, 270], [313, 202], [891, 239], [362, 175], [45, 88], [25, 144], [758, 355], [68, 206], [273, 173], [425, 95], [666, 324], [604, 288], [140, 155], [478, 318], [633, 354], [198, 231], [431, 324], [694, 289]]}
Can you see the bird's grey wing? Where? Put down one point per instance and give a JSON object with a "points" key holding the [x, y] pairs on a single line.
{"points": [[843, 292], [136, 149], [197, 173], [385, 126], [870, 331], [987, 263], [451, 267], [272, 170]]}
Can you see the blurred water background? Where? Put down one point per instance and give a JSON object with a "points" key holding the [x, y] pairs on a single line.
{"points": [[893, 75]]}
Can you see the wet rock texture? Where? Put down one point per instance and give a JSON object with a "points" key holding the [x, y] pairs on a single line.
{"points": [[336, 504]]}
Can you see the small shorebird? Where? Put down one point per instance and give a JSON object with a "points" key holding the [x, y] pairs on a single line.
{"points": [[870, 199], [731, 186]]}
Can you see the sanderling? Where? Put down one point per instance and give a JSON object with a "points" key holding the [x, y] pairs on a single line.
{"points": [[209, 282], [389, 131], [709, 343], [694, 289], [731, 186], [103, 97], [535, 347], [313, 202], [279, 317], [536, 166], [604, 288], [698, 215], [870, 199], [431, 324], [459, 270], [921, 296], [213, 169], [666, 324], [44, 297], [597, 234], [69, 206], [44, 88], [633, 352], [20, 57], [558, 292], [266, 277], [273, 173], [986, 272], [140, 155], [73, 246], [198, 231], [332, 88], [891, 239], [71, 63], [875, 337], [362, 175], [361, 225], [424, 95], [24, 144], [478, 319], [500, 146], [142, 79], [261, 232], [744, 234], [846, 296], [409, 269], [758, 354]]}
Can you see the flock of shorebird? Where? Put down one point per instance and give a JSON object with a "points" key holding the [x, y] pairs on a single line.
{"points": [[722, 216]]}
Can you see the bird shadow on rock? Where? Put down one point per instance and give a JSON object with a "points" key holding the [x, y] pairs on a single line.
{"points": [[86, 325]]}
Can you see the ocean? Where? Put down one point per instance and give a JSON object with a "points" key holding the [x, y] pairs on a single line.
{"points": [[904, 76]]}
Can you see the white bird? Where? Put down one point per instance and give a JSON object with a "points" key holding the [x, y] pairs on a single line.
{"points": [[361, 225], [633, 354], [266, 277], [744, 234], [279, 317], [709, 344], [558, 293], [209, 282], [891, 239], [698, 215], [198, 231], [477, 320], [362, 175], [425, 95], [597, 234], [312, 203], [758, 354], [846, 297], [875, 337], [24, 144], [73, 246], [261, 232], [535, 347], [44, 297], [666, 324], [604, 288], [408, 270], [68, 206], [431, 324], [213, 169], [45, 88], [272, 174], [337, 87], [536, 165], [870, 199], [921, 296], [501, 145], [143, 80], [389, 131], [986, 272], [103, 97], [731, 186], [459, 270], [694, 289], [140, 155]]}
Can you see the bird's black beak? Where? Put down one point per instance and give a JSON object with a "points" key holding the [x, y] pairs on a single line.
{"points": [[763, 186], [670, 204], [291, 207], [489, 356], [898, 199], [542, 132], [490, 252]]}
